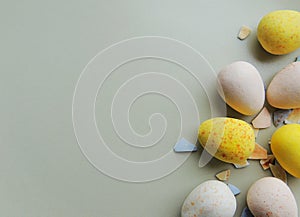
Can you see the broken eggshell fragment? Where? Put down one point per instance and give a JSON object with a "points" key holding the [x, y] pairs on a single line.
{"points": [[224, 175], [284, 90], [278, 172], [293, 117], [279, 116], [259, 153], [209, 199], [265, 163], [263, 119], [244, 32]]}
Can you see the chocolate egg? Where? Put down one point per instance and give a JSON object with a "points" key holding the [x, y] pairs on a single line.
{"points": [[284, 90], [270, 196], [209, 199], [241, 87]]}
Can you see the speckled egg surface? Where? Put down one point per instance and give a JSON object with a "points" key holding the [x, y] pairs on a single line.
{"points": [[210, 199], [270, 196], [279, 31], [241, 87], [228, 139], [284, 89]]}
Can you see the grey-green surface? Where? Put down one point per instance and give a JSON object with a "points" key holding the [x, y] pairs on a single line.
{"points": [[44, 47]]}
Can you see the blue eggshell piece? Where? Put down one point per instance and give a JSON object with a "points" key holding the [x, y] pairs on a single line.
{"points": [[184, 146], [246, 213], [234, 189]]}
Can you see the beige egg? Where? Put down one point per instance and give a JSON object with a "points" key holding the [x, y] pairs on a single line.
{"points": [[284, 89], [270, 196], [209, 199], [241, 87]]}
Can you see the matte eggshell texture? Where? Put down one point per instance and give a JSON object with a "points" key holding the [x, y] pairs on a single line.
{"points": [[284, 89], [279, 31], [210, 199], [228, 139], [241, 87], [270, 196], [285, 145]]}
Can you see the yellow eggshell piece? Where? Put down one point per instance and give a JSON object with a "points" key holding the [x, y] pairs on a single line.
{"points": [[279, 31], [285, 145], [228, 139]]}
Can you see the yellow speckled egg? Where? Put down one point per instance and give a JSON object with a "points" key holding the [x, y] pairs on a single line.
{"points": [[285, 145], [279, 31], [228, 139]]}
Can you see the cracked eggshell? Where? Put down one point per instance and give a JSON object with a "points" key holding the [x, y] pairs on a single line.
{"points": [[241, 87], [270, 196], [284, 90], [209, 199]]}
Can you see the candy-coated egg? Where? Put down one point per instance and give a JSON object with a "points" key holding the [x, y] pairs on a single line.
{"points": [[284, 90], [241, 87], [228, 139], [279, 31], [209, 199], [285, 145], [270, 196]]}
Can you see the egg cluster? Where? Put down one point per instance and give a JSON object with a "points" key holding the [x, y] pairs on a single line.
{"points": [[233, 140]]}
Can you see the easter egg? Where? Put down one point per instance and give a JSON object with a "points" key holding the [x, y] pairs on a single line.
{"points": [[284, 89], [241, 87], [279, 31], [209, 199], [285, 145], [270, 196], [228, 139]]}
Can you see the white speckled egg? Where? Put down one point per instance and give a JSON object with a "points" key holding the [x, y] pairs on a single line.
{"points": [[209, 199], [284, 89], [241, 87], [270, 196]]}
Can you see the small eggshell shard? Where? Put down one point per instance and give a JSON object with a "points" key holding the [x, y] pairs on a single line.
{"points": [[269, 196], [265, 163], [263, 119], [228, 139], [258, 153], [285, 147], [279, 116], [240, 166], [234, 189], [278, 172], [293, 117], [244, 32], [224, 175], [210, 199], [284, 90], [247, 213], [241, 87], [184, 146]]}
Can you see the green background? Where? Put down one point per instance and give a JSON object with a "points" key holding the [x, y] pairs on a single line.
{"points": [[44, 47]]}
